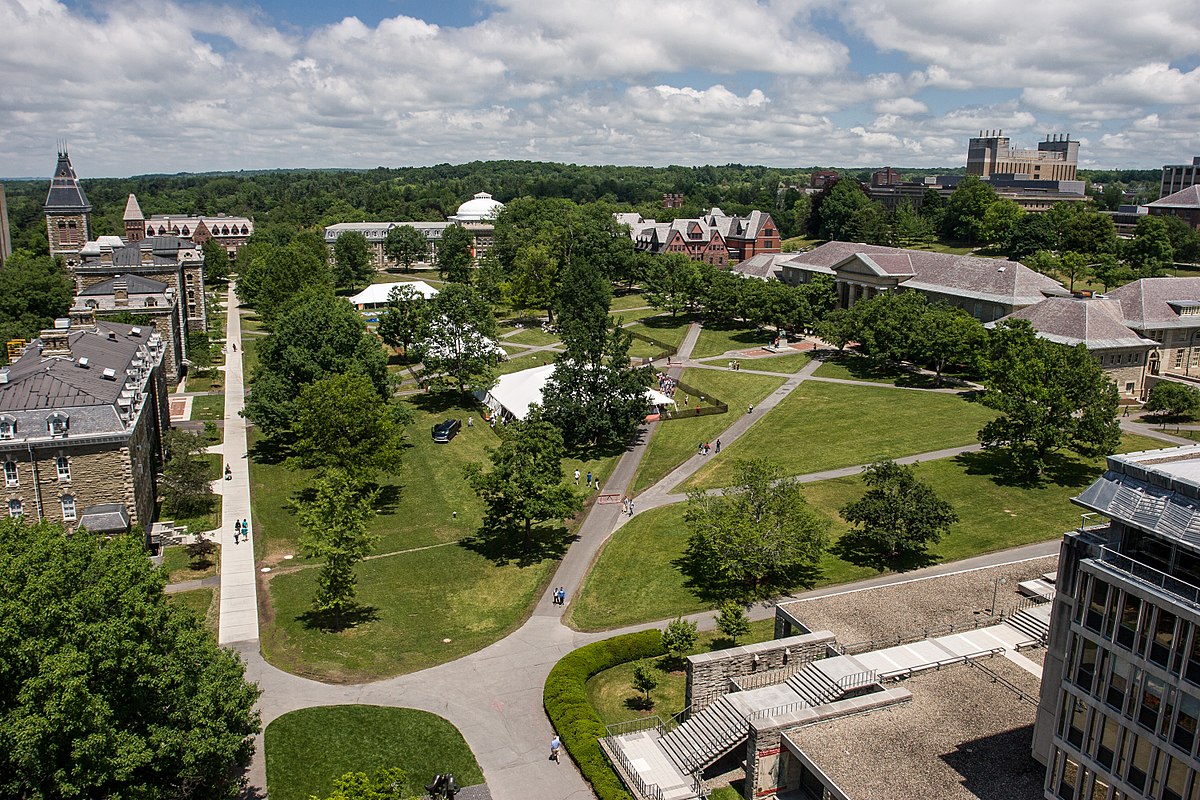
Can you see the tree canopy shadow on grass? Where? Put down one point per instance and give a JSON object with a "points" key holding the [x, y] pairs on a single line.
{"points": [[1004, 469], [386, 501], [749, 336], [860, 551], [271, 450], [702, 579], [862, 368], [338, 621], [504, 544], [444, 401]]}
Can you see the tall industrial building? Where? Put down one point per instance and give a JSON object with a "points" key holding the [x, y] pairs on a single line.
{"points": [[1177, 177], [1120, 698], [1055, 159]]}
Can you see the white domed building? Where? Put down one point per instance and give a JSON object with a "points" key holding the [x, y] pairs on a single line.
{"points": [[480, 208]]}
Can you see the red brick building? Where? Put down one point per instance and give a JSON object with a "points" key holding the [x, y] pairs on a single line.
{"points": [[716, 238]]}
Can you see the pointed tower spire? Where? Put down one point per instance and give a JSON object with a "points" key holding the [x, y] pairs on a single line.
{"points": [[66, 194], [68, 212], [135, 221]]}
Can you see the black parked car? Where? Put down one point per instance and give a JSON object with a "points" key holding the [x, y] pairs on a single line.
{"points": [[444, 431]]}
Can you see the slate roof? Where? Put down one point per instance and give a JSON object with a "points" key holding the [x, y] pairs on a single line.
{"points": [[1184, 198], [991, 279], [133, 211], [1146, 303], [65, 192], [38, 385], [136, 284], [1095, 323], [763, 265]]}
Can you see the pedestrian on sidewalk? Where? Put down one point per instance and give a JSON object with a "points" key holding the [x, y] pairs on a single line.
{"points": [[576, 477], [718, 445], [235, 347], [237, 525], [562, 595], [246, 529], [470, 422], [631, 506], [555, 746], [750, 408]]}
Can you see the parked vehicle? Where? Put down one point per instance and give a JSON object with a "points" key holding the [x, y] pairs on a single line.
{"points": [[445, 430]]}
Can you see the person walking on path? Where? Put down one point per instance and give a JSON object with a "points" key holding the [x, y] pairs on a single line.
{"points": [[718, 445], [576, 477], [597, 484], [555, 746], [750, 408]]}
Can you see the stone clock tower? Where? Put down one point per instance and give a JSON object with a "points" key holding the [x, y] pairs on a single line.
{"points": [[68, 213]]}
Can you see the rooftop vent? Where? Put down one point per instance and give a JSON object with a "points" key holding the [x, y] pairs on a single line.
{"points": [[110, 374], [82, 362], [1001, 269], [62, 323], [135, 332], [3, 376], [112, 336]]}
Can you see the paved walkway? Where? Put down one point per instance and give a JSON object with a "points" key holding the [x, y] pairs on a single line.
{"points": [[239, 597]]}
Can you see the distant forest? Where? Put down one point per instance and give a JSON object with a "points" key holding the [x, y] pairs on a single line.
{"points": [[315, 198]]}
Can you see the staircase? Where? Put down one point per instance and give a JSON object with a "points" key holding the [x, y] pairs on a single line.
{"points": [[1029, 624], [705, 737], [814, 686]]}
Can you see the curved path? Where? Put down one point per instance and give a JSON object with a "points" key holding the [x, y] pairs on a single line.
{"points": [[494, 696]]}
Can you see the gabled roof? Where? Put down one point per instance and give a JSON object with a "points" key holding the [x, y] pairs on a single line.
{"points": [[65, 192], [1184, 198], [1146, 303], [134, 284], [1095, 323], [763, 265]]}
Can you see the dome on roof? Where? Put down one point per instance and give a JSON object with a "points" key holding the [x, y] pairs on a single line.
{"points": [[479, 207]]}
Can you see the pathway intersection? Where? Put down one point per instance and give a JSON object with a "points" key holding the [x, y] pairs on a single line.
{"points": [[494, 696]]}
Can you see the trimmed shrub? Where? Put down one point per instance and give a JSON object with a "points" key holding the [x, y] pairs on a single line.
{"points": [[576, 722]]}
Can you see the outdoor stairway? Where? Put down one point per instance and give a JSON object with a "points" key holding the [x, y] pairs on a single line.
{"points": [[1029, 624], [814, 686], [705, 737]]}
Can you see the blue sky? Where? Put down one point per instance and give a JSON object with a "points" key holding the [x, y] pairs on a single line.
{"points": [[140, 86]]}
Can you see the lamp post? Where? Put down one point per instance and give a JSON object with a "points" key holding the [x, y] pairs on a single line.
{"points": [[996, 592]]}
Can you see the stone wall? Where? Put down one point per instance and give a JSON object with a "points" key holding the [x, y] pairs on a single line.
{"points": [[97, 475], [708, 674]]}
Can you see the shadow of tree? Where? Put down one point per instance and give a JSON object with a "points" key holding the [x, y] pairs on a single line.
{"points": [[505, 544], [1005, 469], [273, 449], [859, 549], [705, 579], [448, 401], [337, 621], [638, 703]]}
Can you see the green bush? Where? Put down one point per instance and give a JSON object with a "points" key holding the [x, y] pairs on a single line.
{"points": [[577, 724]]}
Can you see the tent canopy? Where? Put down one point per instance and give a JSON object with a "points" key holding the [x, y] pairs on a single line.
{"points": [[377, 293], [515, 393]]}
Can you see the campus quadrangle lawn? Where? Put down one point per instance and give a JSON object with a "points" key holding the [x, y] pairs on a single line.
{"points": [[636, 580], [675, 440], [307, 749], [425, 586], [714, 340], [822, 426]]}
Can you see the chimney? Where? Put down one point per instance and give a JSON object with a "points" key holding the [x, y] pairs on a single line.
{"points": [[120, 292], [83, 318], [56, 341]]}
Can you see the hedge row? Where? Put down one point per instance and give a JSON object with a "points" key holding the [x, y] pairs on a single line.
{"points": [[577, 724]]}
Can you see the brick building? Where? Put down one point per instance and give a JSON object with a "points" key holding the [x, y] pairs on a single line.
{"points": [[885, 177], [82, 413], [68, 213], [1177, 177], [229, 232], [716, 238], [1184, 204]]}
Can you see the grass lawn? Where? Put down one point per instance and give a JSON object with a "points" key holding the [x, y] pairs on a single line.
{"points": [[201, 602], [207, 521], [519, 362], [249, 357], [420, 597], [180, 568], [848, 366], [822, 426], [797, 243], [631, 300], [790, 363], [635, 578], [205, 380], [533, 336], [667, 329], [307, 749], [714, 341], [940, 247], [633, 316], [209, 406], [252, 323], [675, 440], [612, 695]]}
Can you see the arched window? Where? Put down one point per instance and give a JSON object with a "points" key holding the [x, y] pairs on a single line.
{"points": [[14, 508], [8, 427], [63, 465], [68, 508], [62, 225], [57, 423], [151, 302], [186, 232], [71, 224], [11, 479]]}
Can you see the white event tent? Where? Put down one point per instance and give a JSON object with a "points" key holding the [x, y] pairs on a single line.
{"points": [[514, 394], [376, 295]]}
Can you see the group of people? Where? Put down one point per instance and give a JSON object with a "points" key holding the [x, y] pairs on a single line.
{"points": [[589, 483], [666, 384], [704, 448], [627, 505], [560, 595], [735, 365], [241, 528]]}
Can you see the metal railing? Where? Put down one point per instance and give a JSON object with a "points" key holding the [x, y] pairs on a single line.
{"points": [[757, 680], [633, 726], [856, 680], [1147, 574], [674, 721], [651, 791], [981, 621], [906, 672], [775, 711], [996, 678]]}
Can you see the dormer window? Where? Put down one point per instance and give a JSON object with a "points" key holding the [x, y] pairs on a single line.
{"points": [[57, 424], [8, 428]]}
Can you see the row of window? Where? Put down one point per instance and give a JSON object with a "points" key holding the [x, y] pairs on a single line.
{"points": [[66, 502], [1120, 359], [12, 478], [57, 425], [174, 230], [1149, 773]]}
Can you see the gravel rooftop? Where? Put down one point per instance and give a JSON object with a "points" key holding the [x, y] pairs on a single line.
{"points": [[962, 736], [908, 609]]}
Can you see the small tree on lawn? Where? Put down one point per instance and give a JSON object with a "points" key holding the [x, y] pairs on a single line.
{"points": [[1172, 399], [405, 244], [185, 478], [352, 257], [678, 639], [732, 620], [335, 529], [895, 521], [644, 682], [454, 257], [406, 319], [385, 784]]}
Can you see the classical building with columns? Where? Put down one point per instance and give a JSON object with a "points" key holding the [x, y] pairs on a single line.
{"points": [[986, 288]]}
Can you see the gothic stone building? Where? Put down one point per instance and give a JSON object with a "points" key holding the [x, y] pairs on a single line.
{"points": [[82, 413], [68, 213]]}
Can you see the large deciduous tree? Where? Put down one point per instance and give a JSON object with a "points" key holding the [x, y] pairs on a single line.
{"points": [[758, 539], [672, 282], [106, 689], [405, 245], [405, 321], [835, 209], [966, 208], [1149, 253], [335, 521], [1049, 396], [342, 421], [947, 335], [33, 292], [272, 277], [185, 480], [895, 521], [526, 484], [460, 348], [216, 261], [454, 254], [352, 256]]}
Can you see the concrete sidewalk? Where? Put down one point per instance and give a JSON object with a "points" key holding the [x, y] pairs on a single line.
{"points": [[239, 596]]}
